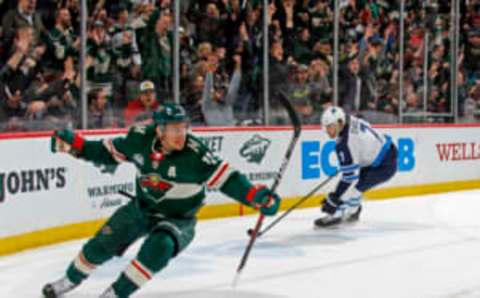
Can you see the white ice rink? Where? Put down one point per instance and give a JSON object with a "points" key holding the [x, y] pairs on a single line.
{"points": [[417, 247]]}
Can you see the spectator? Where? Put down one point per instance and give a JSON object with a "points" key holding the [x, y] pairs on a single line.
{"points": [[387, 100], [193, 100], [218, 99], [412, 108], [279, 75], [472, 55], [278, 67], [100, 56], [24, 15], [132, 40], [143, 106], [157, 49], [211, 26], [354, 89], [248, 46], [301, 93], [321, 86], [302, 14], [124, 42], [472, 104], [127, 56], [12, 110], [61, 95], [285, 16], [321, 20], [322, 49], [461, 91], [204, 50], [21, 70], [234, 17], [62, 40], [302, 47], [100, 114]]}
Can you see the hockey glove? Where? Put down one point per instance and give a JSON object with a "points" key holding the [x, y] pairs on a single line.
{"points": [[67, 141], [331, 203], [264, 199]]}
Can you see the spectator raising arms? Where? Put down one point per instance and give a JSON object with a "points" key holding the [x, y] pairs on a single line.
{"points": [[218, 98], [132, 41]]}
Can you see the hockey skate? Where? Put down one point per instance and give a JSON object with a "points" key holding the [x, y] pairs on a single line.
{"points": [[57, 288], [340, 216]]}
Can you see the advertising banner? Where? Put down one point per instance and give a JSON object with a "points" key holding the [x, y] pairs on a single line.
{"points": [[39, 189]]}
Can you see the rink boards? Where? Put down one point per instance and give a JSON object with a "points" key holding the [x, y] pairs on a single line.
{"points": [[47, 198]]}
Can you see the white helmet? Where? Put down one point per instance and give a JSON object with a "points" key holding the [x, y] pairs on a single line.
{"points": [[332, 115]]}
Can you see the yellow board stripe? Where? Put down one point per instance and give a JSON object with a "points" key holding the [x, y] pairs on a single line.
{"points": [[423, 189], [17, 243]]}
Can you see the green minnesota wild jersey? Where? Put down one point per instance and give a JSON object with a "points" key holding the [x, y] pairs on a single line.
{"points": [[61, 44], [172, 184]]}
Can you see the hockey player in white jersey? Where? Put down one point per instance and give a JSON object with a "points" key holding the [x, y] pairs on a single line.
{"points": [[366, 159]]}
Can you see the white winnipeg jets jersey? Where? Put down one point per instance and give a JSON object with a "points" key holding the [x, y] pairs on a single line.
{"points": [[359, 146]]}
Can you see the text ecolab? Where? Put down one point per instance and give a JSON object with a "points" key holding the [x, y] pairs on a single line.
{"points": [[318, 157]]}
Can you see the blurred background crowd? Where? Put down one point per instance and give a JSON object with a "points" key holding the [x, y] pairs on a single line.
{"points": [[130, 70]]}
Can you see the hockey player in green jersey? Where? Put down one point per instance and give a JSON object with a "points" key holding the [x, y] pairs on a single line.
{"points": [[174, 170]]}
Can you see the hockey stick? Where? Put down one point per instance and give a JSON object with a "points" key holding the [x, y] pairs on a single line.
{"points": [[128, 195], [297, 128], [293, 207]]}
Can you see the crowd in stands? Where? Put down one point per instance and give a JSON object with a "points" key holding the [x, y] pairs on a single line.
{"points": [[130, 48]]}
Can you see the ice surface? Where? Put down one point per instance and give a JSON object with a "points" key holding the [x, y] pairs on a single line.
{"points": [[425, 247]]}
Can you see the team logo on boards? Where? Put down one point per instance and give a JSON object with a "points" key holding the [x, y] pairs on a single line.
{"points": [[254, 149], [26, 181]]}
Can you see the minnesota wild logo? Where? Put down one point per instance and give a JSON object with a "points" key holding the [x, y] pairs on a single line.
{"points": [[255, 148], [154, 185]]}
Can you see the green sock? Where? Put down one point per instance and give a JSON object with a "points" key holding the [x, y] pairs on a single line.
{"points": [[74, 275], [124, 287]]}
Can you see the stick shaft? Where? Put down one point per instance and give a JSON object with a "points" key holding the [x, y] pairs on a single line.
{"points": [[288, 154], [295, 206]]}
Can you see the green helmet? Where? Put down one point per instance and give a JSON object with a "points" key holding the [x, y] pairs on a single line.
{"points": [[169, 113]]}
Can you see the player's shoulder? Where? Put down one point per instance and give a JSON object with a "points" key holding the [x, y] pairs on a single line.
{"points": [[354, 121], [195, 144], [141, 133], [356, 125], [197, 150]]}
